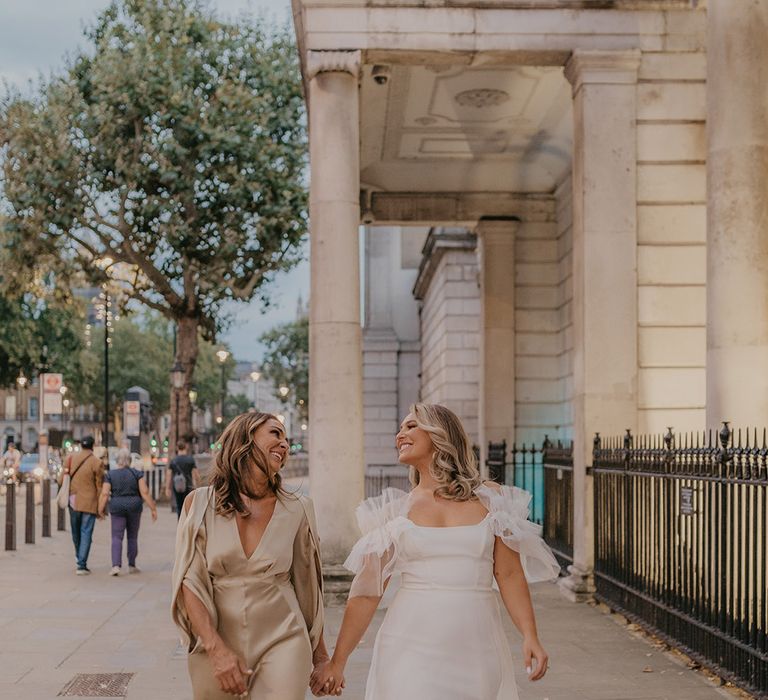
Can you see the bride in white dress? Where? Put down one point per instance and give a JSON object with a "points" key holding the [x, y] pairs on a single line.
{"points": [[446, 542]]}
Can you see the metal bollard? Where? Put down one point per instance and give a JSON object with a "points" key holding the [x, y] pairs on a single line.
{"points": [[29, 514], [10, 516], [46, 508], [60, 518]]}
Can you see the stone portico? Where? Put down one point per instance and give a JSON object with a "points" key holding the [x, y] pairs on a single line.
{"points": [[541, 251]]}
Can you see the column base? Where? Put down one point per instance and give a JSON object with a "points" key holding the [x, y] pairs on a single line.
{"points": [[578, 586], [336, 583]]}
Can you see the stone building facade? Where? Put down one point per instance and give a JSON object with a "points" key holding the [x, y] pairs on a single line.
{"points": [[587, 181]]}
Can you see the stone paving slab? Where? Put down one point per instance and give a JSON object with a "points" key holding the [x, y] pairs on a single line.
{"points": [[54, 625]]}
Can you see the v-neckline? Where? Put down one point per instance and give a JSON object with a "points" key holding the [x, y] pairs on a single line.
{"points": [[261, 539]]}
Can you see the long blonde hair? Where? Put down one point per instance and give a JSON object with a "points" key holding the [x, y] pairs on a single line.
{"points": [[453, 464], [235, 462]]}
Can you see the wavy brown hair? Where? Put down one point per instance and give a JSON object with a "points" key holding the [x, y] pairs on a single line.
{"points": [[236, 462], [453, 465]]}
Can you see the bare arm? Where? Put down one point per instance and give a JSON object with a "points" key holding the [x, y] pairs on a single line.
{"points": [[509, 574], [168, 482], [229, 669], [147, 498], [195, 477], [357, 617], [106, 490]]}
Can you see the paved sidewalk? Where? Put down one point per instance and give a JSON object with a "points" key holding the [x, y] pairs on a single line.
{"points": [[54, 625]]}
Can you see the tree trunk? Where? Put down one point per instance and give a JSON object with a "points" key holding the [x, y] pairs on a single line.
{"points": [[186, 355]]}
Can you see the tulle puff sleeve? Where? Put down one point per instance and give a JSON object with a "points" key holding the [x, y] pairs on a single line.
{"points": [[508, 512], [373, 559]]}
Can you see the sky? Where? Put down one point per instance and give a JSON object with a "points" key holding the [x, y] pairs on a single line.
{"points": [[35, 36]]}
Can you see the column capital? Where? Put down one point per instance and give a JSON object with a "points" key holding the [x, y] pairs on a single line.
{"points": [[333, 62], [602, 68]]}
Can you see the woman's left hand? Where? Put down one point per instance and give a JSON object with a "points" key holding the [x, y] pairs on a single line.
{"points": [[154, 515], [324, 678], [536, 659]]}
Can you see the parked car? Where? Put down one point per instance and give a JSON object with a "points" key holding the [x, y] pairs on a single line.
{"points": [[30, 469], [137, 461]]}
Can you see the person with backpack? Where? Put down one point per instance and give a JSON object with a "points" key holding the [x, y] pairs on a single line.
{"points": [[125, 489], [182, 476]]}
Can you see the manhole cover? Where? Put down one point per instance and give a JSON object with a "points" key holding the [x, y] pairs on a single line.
{"points": [[97, 685]]}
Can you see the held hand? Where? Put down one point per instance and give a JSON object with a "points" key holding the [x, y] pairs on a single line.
{"points": [[327, 679], [536, 659], [230, 670]]}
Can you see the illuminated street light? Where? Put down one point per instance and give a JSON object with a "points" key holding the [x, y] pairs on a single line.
{"points": [[255, 376], [63, 390], [283, 391], [222, 355]]}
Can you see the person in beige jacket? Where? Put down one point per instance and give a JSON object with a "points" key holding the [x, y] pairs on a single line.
{"points": [[86, 475]]}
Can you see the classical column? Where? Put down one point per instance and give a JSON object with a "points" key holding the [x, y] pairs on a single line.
{"points": [[335, 372], [604, 275], [737, 213], [496, 411]]}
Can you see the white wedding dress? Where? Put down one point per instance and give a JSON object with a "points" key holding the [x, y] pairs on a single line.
{"points": [[442, 636]]}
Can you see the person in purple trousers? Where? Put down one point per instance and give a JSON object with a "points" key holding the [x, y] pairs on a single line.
{"points": [[126, 490]]}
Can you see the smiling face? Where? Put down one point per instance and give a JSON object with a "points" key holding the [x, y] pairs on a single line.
{"points": [[270, 438], [414, 446]]}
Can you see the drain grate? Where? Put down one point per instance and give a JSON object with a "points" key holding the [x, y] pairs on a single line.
{"points": [[97, 685]]}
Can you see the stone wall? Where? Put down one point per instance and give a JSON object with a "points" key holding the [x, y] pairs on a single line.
{"points": [[538, 373], [450, 325], [671, 234], [390, 337], [564, 204]]}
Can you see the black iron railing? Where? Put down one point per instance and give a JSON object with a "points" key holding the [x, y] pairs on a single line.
{"points": [[557, 461], [681, 543], [378, 479]]}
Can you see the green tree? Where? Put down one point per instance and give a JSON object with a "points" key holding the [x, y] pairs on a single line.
{"points": [[174, 145], [38, 335], [141, 354], [286, 361]]}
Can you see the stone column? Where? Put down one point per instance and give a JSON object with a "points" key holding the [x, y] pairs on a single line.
{"points": [[335, 372], [604, 275], [737, 213], [496, 412]]}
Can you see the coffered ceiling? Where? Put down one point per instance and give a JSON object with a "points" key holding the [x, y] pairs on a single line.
{"points": [[445, 128]]}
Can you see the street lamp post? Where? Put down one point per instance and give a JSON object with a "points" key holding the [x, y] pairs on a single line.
{"points": [[222, 356], [255, 376], [64, 403], [192, 400], [21, 381], [177, 380]]}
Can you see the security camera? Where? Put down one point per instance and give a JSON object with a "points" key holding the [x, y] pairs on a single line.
{"points": [[380, 74]]}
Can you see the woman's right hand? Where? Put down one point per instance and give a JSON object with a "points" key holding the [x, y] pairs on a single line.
{"points": [[230, 670]]}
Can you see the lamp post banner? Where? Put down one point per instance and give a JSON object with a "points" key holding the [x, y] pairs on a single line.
{"points": [[132, 413], [52, 398]]}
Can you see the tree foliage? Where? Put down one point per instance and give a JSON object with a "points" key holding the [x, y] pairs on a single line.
{"points": [[286, 361], [38, 335], [141, 354], [174, 145]]}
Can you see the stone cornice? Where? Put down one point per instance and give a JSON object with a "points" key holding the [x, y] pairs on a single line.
{"points": [[439, 241], [332, 62], [602, 68]]}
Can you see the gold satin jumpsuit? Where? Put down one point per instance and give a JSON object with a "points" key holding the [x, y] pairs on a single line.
{"points": [[267, 607]]}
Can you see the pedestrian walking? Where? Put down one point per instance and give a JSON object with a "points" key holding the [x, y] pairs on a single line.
{"points": [[11, 459], [86, 476], [125, 489], [182, 476], [247, 582], [448, 539]]}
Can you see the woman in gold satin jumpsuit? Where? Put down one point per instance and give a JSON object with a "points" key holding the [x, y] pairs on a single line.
{"points": [[247, 581]]}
